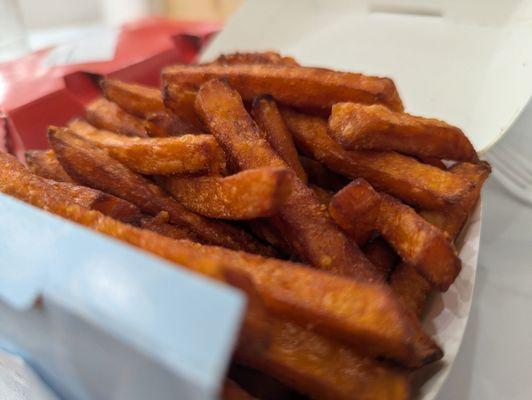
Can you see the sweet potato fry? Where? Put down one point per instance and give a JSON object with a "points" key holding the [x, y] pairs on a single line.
{"points": [[325, 369], [44, 163], [93, 167], [365, 314], [249, 194], [401, 176], [309, 228], [187, 154], [180, 99], [416, 241], [139, 100], [105, 203], [374, 127], [322, 176], [381, 254], [291, 85], [107, 115], [269, 119], [266, 57]]}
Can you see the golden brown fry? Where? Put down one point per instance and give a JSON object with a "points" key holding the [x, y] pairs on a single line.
{"points": [[325, 369], [107, 115], [266, 57], [187, 154], [269, 119], [95, 168], [381, 254], [374, 127], [322, 176], [160, 224], [416, 241], [401, 176], [291, 85], [180, 99], [94, 199], [231, 391], [309, 229], [365, 314], [139, 100], [249, 194], [44, 163]]}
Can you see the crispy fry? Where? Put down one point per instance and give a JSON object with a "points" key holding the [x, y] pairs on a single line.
{"points": [[180, 99], [368, 317], [322, 176], [246, 195], [292, 85], [269, 119], [187, 154], [94, 199], [325, 369], [107, 115], [231, 391], [381, 254], [94, 167], [44, 163], [374, 127], [401, 176], [266, 57], [160, 224], [412, 288], [139, 100], [417, 242], [312, 232]]}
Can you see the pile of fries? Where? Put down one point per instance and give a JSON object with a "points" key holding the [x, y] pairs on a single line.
{"points": [[309, 189]]}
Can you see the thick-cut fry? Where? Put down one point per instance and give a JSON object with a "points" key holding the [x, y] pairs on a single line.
{"points": [[311, 230], [325, 369], [365, 314], [374, 127], [44, 163], [416, 241], [291, 85], [322, 176], [94, 199], [180, 98], [160, 224], [246, 195], [95, 168], [107, 115], [187, 154], [266, 57], [269, 119], [381, 254], [139, 100], [411, 287], [401, 176]]}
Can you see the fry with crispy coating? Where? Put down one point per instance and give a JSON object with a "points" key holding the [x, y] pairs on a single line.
{"points": [[180, 99], [269, 119], [187, 154], [304, 87], [401, 176], [139, 100], [249, 194], [416, 241], [265, 57], [44, 163], [307, 226], [322, 176], [107, 115], [93, 167], [374, 127], [369, 315]]}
